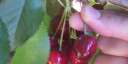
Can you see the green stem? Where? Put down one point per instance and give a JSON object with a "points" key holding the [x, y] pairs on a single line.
{"points": [[92, 60], [61, 21], [62, 33], [67, 2], [61, 3], [65, 15]]}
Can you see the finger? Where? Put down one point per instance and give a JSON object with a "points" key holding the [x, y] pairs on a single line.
{"points": [[113, 46], [107, 59], [76, 22], [107, 22], [122, 3]]}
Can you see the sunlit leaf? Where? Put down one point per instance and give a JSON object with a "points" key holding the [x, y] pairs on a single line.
{"points": [[36, 49]]}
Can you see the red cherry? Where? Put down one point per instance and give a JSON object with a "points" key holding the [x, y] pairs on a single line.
{"points": [[57, 57], [83, 49], [67, 46], [86, 45], [76, 59], [54, 43], [55, 33], [56, 28]]}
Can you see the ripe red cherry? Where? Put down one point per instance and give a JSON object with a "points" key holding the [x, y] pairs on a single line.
{"points": [[56, 28], [76, 59], [57, 57], [54, 43], [67, 46], [86, 45], [83, 49], [55, 32]]}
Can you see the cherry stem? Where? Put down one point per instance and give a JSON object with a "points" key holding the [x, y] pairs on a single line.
{"points": [[92, 60], [63, 28], [60, 2], [66, 14], [67, 3], [61, 21]]}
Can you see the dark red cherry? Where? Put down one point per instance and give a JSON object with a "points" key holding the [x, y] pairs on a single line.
{"points": [[54, 43], [57, 57], [56, 27], [67, 46], [76, 58], [84, 48], [85, 45]]}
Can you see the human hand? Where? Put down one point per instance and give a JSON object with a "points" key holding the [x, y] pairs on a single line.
{"points": [[113, 26]]}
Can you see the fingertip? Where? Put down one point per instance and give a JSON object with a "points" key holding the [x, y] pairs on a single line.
{"points": [[88, 13], [75, 22], [92, 17]]}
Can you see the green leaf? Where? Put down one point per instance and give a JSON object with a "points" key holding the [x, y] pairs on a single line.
{"points": [[10, 11], [4, 44], [30, 20], [22, 18], [36, 49]]}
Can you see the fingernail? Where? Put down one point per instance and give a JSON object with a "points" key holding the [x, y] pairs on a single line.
{"points": [[90, 12]]}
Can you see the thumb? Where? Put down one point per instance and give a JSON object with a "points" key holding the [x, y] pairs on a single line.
{"points": [[106, 22]]}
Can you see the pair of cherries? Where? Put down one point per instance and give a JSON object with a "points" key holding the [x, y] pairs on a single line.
{"points": [[83, 49], [78, 51]]}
